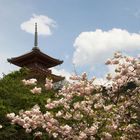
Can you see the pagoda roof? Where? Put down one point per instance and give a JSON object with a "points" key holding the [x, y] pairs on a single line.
{"points": [[56, 78], [46, 74], [35, 56]]}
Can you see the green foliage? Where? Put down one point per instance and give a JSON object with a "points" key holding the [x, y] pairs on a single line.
{"points": [[14, 96]]}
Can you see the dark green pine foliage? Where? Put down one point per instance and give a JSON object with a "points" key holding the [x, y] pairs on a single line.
{"points": [[15, 96]]}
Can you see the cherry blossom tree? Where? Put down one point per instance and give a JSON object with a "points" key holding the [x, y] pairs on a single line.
{"points": [[83, 110]]}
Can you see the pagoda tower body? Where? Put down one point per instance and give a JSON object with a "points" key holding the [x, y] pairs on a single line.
{"points": [[37, 62]]}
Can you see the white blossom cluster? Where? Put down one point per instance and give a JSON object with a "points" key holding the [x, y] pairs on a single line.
{"points": [[126, 77], [0, 126], [29, 82], [48, 84], [37, 90], [84, 111]]}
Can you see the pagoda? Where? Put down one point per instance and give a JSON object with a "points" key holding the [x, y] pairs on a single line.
{"points": [[37, 62]]}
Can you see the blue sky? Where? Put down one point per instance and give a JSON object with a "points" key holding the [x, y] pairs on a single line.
{"points": [[86, 32]]}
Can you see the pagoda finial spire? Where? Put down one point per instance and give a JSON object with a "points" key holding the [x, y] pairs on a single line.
{"points": [[36, 36]]}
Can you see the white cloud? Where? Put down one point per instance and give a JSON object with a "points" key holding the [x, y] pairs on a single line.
{"points": [[45, 24], [93, 48], [61, 72]]}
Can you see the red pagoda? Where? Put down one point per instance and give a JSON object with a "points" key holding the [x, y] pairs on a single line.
{"points": [[37, 62]]}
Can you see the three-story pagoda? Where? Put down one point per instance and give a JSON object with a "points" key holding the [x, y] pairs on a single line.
{"points": [[37, 62]]}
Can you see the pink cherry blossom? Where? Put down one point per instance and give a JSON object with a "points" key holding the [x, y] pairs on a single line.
{"points": [[36, 90]]}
